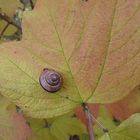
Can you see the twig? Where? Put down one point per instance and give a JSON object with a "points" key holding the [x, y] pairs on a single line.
{"points": [[9, 20], [15, 21], [1, 34], [105, 130], [32, 5], [89, 122], [27, 4], [99, 124]]}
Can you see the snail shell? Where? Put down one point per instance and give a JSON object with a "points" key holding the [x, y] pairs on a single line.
{"points": [[50, 80]]}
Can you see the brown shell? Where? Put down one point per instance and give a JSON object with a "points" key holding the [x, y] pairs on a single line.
{"points": [[50, 80]]}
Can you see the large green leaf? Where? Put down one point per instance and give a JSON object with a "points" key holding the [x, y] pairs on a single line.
{"points": [[93, 44], [128, 130]]}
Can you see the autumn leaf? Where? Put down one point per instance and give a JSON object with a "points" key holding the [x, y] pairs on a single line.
{"points": [[40, 130], [129, 130], [12, 125], [60, 128], [129, 105], [63, 127], [94, 45], [119, 110]]}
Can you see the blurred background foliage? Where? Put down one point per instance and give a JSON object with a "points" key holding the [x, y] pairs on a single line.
{"points": [[11, 17]]}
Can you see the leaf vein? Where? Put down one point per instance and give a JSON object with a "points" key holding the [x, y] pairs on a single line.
{"points": [[22, 70], [106, 53], [64, 54]]}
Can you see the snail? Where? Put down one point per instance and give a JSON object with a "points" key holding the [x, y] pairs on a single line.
{"points": [[50, 80]]}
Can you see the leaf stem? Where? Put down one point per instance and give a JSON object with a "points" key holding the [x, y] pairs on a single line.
{"points": [[105, 130], [89, 122]]}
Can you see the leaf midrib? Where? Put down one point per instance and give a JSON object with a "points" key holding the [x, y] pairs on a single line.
{"points": [[63, 52]]}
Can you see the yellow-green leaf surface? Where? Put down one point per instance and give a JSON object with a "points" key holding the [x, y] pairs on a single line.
{"points": [[40, 131], [106, 120], [128, 130], [63, 127], [93, 44], [59, 129]]}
